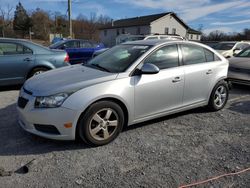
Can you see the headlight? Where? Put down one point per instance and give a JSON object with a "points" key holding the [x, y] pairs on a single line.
{"points": [[52, 101]]}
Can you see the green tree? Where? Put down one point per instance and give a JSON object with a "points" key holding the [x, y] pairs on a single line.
{"points": [[22, 21]]}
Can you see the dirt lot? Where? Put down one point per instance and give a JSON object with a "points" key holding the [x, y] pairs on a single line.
{"points": [[166, 152]]}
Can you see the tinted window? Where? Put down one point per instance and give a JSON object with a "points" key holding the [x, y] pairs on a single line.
{"points": [[242, 46], [193, 54], [224, 46], [72, 44], [13, 49], [84, 44], [166, 57], [209, 55]]}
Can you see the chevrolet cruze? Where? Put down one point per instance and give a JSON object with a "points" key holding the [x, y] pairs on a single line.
{"points": [[130, 83]]}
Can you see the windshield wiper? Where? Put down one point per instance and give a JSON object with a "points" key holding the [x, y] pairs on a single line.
{"points": [[100, 67]]}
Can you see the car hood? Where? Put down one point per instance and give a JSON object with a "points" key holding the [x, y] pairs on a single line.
{"points": [[239, 62], [67, 79]]}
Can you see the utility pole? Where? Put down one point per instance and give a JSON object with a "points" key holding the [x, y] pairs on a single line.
{"points": [[70, 21]]}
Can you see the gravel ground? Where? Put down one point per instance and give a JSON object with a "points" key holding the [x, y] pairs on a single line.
{"points": [[166, 152]]}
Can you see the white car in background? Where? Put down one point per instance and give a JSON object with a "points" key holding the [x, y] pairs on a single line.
{"points": [[230, 48]]}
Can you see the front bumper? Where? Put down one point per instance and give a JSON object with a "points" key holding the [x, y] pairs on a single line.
{"points": [[29, 116]]}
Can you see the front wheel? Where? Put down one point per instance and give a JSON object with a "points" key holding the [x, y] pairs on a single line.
{"points": [[101, 123], [219, 96]]}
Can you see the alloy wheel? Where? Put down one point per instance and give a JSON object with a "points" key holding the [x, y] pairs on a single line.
{"points": [[220, 96], [103, 124]]}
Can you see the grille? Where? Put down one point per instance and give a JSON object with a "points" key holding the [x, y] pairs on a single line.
{"points": [[47, 129], [22, 102]]}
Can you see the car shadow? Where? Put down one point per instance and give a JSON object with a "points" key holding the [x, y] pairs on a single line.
{"points": [[10, 88], [15, 141], [240, 107]]}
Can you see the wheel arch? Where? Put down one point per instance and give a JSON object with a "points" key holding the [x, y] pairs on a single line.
{"points": [[112, 99], [39, 66]]}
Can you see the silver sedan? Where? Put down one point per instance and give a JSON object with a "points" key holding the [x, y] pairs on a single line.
{"points": [[129, 83]]}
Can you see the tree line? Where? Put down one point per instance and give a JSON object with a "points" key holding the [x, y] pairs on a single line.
{"points": [[40, 23]]}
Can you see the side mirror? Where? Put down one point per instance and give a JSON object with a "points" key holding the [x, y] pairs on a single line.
{"points": [[149, 68]]}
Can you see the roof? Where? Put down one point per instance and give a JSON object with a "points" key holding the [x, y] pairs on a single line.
{"points": [[135, 21], [146, 20], [193, 31], [159, 42]]}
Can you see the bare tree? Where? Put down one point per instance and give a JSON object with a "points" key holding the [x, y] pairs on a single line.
{"points": [[6, 18]]}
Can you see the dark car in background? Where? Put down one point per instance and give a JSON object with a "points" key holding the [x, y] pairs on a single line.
{"points": [[239, 68], [80, 51], [21, 59]]}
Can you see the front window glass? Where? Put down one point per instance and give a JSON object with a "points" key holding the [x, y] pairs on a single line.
{"points": [[118, 58], [165, 57]]}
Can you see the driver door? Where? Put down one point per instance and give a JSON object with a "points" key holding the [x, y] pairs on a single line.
{"points": [[161, 92]]}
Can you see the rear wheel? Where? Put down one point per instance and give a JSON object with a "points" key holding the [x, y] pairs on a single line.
{"points": [[101, 123], [219, 96], [37, 71]]}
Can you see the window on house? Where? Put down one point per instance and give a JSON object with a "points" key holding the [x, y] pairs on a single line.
{"points": [[197, 37], [191, 36], [166, 30], [138, 31], [123, 31], [117, 32], [105, 33], [173, 31]]}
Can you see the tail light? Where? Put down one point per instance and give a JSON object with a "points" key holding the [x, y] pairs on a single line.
{"points": [[66, 59]]}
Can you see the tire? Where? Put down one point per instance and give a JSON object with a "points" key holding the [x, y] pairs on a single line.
{"points": [[37, 71], [101, 123], [219, 96]]}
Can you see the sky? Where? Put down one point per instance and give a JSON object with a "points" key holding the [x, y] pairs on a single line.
{"points": [[224, 15]]}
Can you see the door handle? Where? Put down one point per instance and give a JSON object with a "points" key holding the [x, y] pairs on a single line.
{"points": [[176, 79], [209, 71], [27, 59]]}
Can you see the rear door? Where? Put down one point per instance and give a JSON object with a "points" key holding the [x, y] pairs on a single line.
{"points": [[87, 50], [15, 62], [200, 67], [72, 48], [158, 93]]}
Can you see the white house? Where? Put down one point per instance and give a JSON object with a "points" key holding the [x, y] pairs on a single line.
{"points": [[165, 23]]}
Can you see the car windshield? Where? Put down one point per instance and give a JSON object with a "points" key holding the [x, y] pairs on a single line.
{"points": [[118, 58], [244, 53], [224, 46]]}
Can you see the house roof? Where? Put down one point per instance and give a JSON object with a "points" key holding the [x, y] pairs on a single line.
{"points": [[136, 21], [146, 20], [193, 31]]}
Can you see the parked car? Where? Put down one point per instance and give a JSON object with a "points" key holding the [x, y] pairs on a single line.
{"points": [[229, 49], [80, 51], [127, 84], [239, 68], [127, 37], [21, 59], [57, 39], [98, 52]]}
